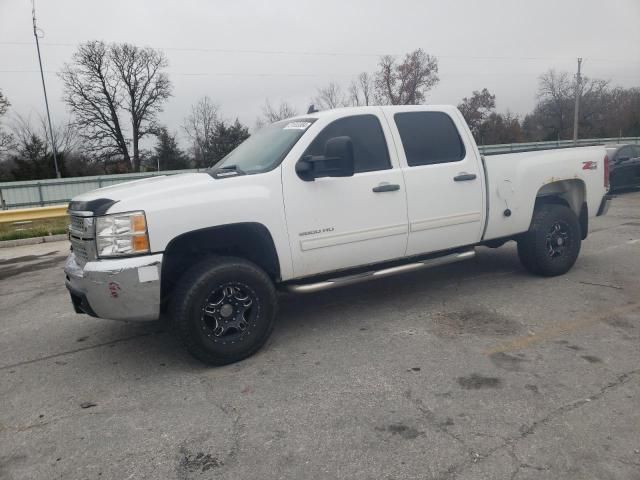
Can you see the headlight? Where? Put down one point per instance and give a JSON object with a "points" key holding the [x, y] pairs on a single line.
{"points": [[122, 234]]}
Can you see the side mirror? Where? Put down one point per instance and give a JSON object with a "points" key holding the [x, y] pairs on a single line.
{"points": [[337, 161], [622, 159]]}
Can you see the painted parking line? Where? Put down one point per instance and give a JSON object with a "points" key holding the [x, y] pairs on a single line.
{"points": [[560, 329]]}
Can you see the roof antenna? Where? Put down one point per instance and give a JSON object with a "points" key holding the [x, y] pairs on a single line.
{"points": [[312, 109]]}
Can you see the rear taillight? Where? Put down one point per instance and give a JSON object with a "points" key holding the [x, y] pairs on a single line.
{"points": [[606, 171]]}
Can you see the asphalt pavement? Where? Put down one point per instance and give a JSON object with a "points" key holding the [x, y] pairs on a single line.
{"points": [[468, 371]]}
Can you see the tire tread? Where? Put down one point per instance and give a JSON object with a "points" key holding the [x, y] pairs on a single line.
{"points": [[531, 251], [186, 291]]}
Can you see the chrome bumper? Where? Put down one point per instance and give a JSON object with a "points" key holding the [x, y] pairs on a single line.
{"points": [[118, 289]]}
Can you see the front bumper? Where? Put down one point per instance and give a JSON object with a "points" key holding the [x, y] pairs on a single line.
{"points": [[604, 205], [118, 289]]}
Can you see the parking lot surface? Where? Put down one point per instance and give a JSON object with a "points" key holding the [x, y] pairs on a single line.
{"points": [[469, 371]]}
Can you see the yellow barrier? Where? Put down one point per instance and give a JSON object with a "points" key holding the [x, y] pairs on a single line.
{"points": [[25, 214]]}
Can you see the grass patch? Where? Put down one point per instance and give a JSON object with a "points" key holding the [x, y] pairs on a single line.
{"points": [[35, 228]]}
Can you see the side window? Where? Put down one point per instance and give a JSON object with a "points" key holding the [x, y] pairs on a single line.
{"points": [[636, 151], [369, 145], [429, 138]]}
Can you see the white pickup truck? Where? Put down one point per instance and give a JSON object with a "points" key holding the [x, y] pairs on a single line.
{"points": [[320, 201]]}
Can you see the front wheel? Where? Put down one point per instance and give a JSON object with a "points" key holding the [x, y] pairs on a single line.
{"points": [[224, 309], [552, 244]]}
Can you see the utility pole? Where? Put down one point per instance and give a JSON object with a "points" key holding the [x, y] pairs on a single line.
{"points": [[44, 89], [576, 110]]}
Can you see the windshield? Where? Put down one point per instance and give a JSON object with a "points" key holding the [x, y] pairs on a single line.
{"points": [[266, 148]]}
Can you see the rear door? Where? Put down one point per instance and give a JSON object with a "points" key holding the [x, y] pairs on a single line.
{"points": [[443, 178], [340, 222]]}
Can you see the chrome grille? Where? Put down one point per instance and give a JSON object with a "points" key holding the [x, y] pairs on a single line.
{"points": [[81, 235], [81, 249], [77, 224], [81, 227]]}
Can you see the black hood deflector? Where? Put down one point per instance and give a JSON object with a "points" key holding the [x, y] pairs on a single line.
{"points": [[99, 206]]}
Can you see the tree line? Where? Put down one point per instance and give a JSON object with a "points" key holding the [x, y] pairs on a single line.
{"points": [[115, 92]]}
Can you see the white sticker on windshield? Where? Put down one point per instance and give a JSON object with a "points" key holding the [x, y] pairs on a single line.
{"points": [[297, 126]]}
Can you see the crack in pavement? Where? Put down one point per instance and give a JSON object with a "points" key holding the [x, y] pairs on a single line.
{"points": [[431, 418], [24, 428], [620, 380], [454, 470], [69, 352]]}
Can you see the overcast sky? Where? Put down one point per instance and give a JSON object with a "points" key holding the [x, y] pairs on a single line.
{"points": [[241, 52]]}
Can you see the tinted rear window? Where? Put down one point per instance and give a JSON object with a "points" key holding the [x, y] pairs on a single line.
{"points": [[429, 138]]}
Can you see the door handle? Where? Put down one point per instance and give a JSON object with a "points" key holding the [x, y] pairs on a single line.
{"points": [[386, 187], [464, 177]]}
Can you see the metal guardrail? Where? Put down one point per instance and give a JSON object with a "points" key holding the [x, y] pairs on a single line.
{"points": [[527, 146], [32, 193], [41, 193], [26, 214]]}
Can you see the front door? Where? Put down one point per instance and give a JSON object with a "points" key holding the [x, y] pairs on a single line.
{"points": [[340, 222]]}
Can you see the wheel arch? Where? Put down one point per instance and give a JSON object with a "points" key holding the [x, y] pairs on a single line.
{"points": [[571, 193], [248, 240]]}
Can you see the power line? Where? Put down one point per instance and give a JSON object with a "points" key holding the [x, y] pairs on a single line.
{"points": [[309, 75], [340, 54]]}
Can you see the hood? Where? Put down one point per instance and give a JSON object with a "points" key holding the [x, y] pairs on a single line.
{"points": [[141, 193]]}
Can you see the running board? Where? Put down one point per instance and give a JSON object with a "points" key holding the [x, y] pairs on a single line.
{"points": [[347, 280]]}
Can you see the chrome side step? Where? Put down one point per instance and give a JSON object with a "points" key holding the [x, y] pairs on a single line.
{"points": [[347, 280]]}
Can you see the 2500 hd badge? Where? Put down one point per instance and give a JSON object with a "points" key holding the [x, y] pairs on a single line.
{"points": [[315, 232]]}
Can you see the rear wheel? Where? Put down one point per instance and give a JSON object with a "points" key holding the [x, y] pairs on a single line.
{"points": [[224, 309], [552, 244]]}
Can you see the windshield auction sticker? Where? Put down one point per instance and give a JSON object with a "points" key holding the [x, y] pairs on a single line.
{"points": [[297, 126]]}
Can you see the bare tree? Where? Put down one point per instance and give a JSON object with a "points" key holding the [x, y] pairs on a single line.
{"points": [[272, 114], [330, 97], [146, 87], [594, 102], [476, 108], [361, 90], [4, 104], [23, 130], [555, 87], [110, 86], [31, 154], [556, 96], [66, 137], [6, 139], [407, 82], [500, 128], [200, 126]]}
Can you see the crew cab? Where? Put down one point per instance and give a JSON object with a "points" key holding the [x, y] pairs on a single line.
{"points": [[315, 202]]}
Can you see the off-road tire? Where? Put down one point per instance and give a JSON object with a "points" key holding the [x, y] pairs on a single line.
{"points": [[191, 306], [551, 245]]}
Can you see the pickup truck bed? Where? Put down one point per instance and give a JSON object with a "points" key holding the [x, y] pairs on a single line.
{"points": [[537, 174]]}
